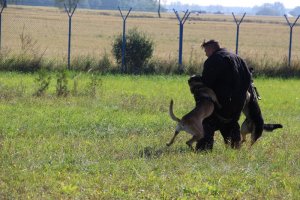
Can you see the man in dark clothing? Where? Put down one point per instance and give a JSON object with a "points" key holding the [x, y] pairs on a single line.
{"points": [[229, 77]]}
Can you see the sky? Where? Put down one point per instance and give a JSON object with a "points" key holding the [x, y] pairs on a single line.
{"points": [[237, 3]]}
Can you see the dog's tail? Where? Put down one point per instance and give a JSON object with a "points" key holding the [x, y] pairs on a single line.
{"points": [[171, 112], [271, 127]]}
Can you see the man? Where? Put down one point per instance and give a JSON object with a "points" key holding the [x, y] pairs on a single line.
{"points": [[229, 77]]}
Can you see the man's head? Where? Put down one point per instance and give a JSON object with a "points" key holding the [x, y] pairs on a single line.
{"points": [[210, 47]]}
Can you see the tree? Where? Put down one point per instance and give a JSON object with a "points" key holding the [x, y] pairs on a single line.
{"points": [[110, 4], [139, 49], [145, 5], [276, 9], [70, 4], [3, 3], [295, 11]]}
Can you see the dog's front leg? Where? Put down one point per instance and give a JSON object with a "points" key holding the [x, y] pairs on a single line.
{"points": [[173, 138]]}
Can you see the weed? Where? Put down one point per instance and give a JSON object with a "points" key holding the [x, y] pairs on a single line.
{"points": [[75, 85], [43, 81], [62, 84], [94, 83]]}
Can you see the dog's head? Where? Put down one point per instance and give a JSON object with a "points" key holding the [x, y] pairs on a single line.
{"points": [[195, 81]]}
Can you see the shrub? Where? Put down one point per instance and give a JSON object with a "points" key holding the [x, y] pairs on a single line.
{"points": [[94, 83], [83, 63], [92, 63], [139, 49], [43, 81], [104, 64], [62, 84], [21, 63]]}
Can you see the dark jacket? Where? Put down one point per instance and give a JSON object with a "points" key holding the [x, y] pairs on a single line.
{"points": [[228, 75]]}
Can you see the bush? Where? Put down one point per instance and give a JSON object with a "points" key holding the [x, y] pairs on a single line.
{"points": [[91, 63], [139, 49], [62, 84], [104, 64], [42, 82]]}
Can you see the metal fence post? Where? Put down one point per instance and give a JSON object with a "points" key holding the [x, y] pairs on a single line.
{"points": [[70, 15], [158, 11], [3, 6], [181, 23], [237, 32], [124, 69], [291, 36]]}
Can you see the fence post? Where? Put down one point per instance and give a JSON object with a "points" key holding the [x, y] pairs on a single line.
{"points": [[237, 32], [123, 68], [158, 11], [291, 36], [181, 23], [70, 13], [2, 8]]}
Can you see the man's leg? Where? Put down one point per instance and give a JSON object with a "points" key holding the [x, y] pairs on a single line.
{"points": [[235, 135], [225, 132], [231, 134]]}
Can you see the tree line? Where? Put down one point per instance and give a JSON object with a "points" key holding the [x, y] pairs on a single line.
{"points": [[142, 5], [272, 9]]}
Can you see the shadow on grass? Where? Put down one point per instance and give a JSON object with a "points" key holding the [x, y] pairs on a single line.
{"points": [[157, 152]]}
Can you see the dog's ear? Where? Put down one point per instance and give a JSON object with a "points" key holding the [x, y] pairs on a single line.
{"points": [[195, 78]]}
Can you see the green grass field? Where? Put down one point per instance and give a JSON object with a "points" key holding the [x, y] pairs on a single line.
{"points": [[112, 146]]}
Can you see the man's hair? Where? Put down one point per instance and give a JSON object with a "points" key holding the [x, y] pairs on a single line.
{"points": [[211, 43]]}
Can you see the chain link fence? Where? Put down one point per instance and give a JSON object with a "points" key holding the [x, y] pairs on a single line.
{"points": [[43, 31]]}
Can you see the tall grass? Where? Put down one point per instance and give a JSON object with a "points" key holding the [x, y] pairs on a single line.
{"points": [[112, 145], [105, 65]]}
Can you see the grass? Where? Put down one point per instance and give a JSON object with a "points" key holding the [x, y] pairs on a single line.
{"points": [[112, 145]]}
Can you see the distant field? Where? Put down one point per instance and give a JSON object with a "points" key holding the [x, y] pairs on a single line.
{"points": [[261, 38], [112, 146]]}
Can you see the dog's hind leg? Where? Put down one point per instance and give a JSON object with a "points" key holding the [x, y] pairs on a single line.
{"points": [[257, 129], [191, 141], [173, 138], [197, 131], [246, 128], [257, 120]]}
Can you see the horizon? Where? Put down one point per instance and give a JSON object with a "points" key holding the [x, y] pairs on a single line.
{"points": [[233, 3]]}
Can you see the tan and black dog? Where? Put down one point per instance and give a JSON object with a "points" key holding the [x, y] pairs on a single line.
{"points": [[254, 122], [192, 121]]}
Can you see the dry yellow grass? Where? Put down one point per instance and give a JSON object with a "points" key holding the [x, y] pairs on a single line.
{"points": [[261, 38]]}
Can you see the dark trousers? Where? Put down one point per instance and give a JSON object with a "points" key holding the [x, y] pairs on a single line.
{"points": [[230, 131]]}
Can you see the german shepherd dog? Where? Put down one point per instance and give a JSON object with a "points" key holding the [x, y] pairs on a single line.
{"points": [[254, 122], [192, 121]]}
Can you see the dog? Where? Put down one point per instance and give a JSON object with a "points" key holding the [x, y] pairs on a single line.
{"points": [[254, 122], [192, 121]]}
